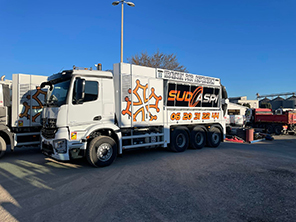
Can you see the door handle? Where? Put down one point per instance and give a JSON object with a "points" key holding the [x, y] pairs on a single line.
{"points": [[97, 118]]}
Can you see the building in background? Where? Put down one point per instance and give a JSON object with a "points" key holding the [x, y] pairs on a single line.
{"points": [[264, 101], [290, 102], [277, 101], [242, 100]]}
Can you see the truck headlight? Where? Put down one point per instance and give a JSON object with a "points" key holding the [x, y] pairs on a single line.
{"points": [[60, 146]]}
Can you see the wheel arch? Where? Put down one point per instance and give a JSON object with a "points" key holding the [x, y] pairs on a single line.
{"points": [[110, 131], [220, 129], [8, 138], [182, 128], [200, 127]]}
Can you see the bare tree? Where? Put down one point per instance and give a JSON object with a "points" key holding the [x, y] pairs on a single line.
{"points": [[158, 60]]}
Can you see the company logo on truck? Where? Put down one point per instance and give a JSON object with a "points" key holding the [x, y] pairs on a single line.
{"points": [[26, 111], [143, 104], [192, 96]]}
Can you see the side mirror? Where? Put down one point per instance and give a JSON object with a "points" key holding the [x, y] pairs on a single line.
{"points": [[80, 89], [225, 100], [46, 84]]}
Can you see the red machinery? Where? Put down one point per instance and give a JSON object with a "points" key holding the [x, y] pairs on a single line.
{"points": [[282, 121]]}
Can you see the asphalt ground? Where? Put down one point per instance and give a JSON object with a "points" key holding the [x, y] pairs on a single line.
{"points": [[234, 182]]}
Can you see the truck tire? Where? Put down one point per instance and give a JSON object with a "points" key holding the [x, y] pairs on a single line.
{"points": [[270, 129], [2, 146], [198, 138], [102, 151], [214, 137], [179, 140], [278, 129]]}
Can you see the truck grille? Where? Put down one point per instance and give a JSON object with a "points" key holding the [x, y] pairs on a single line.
{"points": [[49, 123], [49, 128], [48, 133]]}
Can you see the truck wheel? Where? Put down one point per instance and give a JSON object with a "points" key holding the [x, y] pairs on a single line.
{"points": [[2, 147], [214, 137], [278, 129], [198, 138], [179, 140], [270, 129], [101, 151]]}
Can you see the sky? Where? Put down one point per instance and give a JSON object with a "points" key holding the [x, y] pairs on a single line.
{"points": [[249, 44]]}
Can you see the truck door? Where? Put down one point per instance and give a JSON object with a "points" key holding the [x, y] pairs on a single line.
{"points": [[88, 110]]}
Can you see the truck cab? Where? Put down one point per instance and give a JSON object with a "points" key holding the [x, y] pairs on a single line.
{"points": [[79, 102]]}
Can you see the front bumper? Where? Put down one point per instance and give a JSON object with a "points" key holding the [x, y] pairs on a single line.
{"points": [[72, 149]]}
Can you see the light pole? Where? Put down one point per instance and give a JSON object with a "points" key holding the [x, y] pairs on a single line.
{"points": [[121, 42]]}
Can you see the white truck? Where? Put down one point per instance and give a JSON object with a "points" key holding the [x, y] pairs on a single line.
{"points": [[235, 115], [97, 114], [21, 104]]}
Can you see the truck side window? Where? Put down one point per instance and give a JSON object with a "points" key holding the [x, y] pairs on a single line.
{"points": [[91, 92], [233, 112]]}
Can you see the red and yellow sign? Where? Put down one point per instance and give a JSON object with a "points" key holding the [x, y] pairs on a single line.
{"points": [[73, 135], [20, 123]]}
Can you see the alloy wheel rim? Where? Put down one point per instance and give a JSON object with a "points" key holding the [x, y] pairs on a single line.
{"points": [[104, 152]]}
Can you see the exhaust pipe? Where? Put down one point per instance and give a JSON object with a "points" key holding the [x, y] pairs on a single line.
{"points": [[99, 66]]}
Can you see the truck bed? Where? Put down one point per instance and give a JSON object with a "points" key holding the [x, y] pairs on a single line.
{"points": [[287, 118]]}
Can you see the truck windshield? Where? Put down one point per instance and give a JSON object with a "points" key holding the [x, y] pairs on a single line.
{"points": [[58, 95]]}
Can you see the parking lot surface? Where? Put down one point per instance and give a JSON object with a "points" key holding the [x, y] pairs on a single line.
{"points": [[234, 182]]}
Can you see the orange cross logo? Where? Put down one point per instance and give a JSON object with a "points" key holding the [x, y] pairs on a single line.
{"points": [[25, 113], [141, 103]]}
